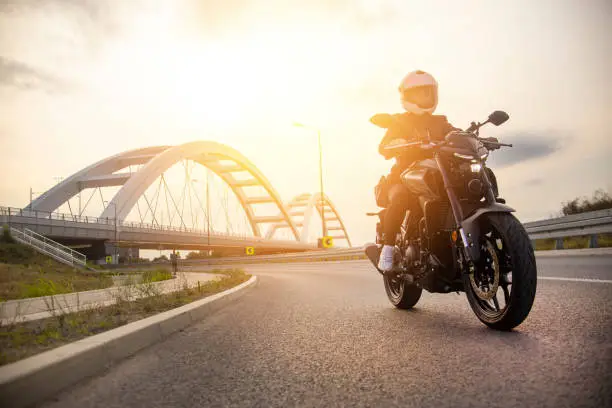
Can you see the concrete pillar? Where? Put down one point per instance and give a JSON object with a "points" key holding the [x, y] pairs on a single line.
{"points": [[593, 241], [559, 243]]}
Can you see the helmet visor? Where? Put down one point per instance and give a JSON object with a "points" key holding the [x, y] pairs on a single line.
{"points": [[423, 96]]}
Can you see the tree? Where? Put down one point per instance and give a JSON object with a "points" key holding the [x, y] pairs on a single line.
{"points": [[600, 201], [162, 258]]}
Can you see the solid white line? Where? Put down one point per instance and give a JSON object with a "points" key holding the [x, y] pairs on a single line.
{"points": [[574, 279]]}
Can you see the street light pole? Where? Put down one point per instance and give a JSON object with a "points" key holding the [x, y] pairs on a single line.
{"points": [[115, 246], [323, 226], [208, 209]]}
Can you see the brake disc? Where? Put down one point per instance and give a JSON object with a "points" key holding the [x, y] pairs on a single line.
{"points": [[490, 267]]}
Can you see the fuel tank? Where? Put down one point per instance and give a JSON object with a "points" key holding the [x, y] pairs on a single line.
{"points": [[421, 179]]}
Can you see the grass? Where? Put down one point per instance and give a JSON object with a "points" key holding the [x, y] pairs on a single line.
{"points": [[33, 280], [24, 339], [156, 275], [603, 241], [24, 273]]}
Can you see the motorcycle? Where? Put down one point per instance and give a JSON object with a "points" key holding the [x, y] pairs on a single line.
{"points": [[467, 239]]}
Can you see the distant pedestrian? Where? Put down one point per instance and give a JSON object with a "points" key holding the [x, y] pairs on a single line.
{"points": [[174, 261]]}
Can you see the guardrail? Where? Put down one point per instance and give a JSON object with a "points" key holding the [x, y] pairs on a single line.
{"points": [[589, 224], [314, 255], [320, 255]]}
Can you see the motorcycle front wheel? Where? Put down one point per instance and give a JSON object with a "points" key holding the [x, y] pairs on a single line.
{"points": [[501, 288]]}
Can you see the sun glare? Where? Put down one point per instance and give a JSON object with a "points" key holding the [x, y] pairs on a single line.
{"points": [[222, 82]]}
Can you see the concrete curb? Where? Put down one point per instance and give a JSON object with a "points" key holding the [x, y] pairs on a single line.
{"points": [[39, 377]]}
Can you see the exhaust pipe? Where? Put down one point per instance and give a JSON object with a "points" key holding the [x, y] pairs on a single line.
{"points": [[372, 251]]}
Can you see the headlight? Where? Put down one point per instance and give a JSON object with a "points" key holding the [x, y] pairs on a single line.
{"points": [[464, 156], [475, 167]]}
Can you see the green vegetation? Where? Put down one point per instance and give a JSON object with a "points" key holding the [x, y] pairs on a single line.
{"points": [[600, 201], [6, 235], [24, 339], [162, 258], [25, 273], [156, 275], [603, 240]]}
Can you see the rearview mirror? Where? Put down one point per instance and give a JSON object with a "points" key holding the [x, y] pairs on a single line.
{"points": [[383, 120], [498, 117]]}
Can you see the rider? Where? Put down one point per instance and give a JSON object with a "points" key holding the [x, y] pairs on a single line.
{"points": [[419, 97]]}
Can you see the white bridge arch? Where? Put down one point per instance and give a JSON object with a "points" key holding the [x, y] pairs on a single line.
{"points": [[156, 160], [304, 206]]}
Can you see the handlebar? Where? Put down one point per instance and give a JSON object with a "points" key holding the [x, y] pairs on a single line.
{"points": [[491, 143]]}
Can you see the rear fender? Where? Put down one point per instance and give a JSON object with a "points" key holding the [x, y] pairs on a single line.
{"points": [[471, 227]]}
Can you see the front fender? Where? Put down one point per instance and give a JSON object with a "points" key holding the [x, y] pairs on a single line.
{"points": [[471, 227]]}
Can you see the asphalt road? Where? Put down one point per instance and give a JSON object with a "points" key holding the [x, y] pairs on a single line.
{"points": [[324, 334]]}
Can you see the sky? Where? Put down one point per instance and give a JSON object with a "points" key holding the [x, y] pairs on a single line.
{"points": [[81, 80]]}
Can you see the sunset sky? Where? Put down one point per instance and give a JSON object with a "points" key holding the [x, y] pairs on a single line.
{"points": [[81, 80]]}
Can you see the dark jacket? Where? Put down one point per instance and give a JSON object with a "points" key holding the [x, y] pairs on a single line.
{"points": [[413, 128]]}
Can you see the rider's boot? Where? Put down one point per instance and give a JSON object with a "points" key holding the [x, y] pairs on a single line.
{"points": [[385, 263]]}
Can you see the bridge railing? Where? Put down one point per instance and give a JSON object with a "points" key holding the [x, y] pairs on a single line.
{"points": [[19, 212]]}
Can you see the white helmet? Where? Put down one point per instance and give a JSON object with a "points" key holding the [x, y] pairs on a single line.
{"points": [[419, 93]]}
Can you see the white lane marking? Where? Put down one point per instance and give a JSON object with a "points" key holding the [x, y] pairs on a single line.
{"points": [[558, 278]]}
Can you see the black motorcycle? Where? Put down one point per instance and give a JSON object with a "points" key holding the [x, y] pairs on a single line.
{"points": [[467, 239]]}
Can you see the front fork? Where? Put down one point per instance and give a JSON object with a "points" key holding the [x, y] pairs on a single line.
{"points": [[467, 238]]}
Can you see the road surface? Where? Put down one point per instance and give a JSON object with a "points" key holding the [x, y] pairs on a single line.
{"points": [[324, 334]]}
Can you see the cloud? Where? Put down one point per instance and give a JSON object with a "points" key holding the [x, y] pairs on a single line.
{"points": [[534, 182], [96, 21], [20, 75], [527, 146], [231, 16]]}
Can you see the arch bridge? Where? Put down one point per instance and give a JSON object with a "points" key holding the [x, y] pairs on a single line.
{"points": [[234, 169]]}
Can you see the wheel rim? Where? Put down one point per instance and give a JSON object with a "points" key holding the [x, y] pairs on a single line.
{"points": [[395, 284], [491, 280]]}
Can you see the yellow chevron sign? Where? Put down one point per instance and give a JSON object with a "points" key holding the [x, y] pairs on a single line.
{"points": [[250, 250], [328, 242]]}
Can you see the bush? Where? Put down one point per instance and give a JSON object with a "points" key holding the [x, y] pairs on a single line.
{"points": [[16, 254], [6, 235], [156, 275], [43, 287], [600, 201]]}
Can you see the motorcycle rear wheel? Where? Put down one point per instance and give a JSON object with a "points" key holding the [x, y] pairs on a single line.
{"points": [[401, 294]]}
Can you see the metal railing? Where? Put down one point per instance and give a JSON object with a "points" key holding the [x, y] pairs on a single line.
{"points": [[321, 254], [49, 247], [19, 212], [588, 224]]}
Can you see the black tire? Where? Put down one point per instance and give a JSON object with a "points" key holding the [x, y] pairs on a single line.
{"points": [[400, 293], [516, 255]]}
